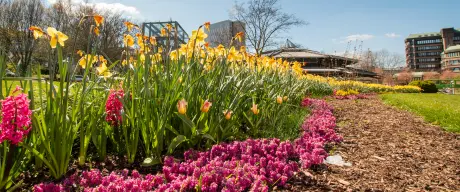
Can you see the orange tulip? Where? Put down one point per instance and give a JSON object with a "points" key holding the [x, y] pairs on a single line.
{"points": [[182, 106], [205, 107], [254, 109], [228, 114], [279, 99]]}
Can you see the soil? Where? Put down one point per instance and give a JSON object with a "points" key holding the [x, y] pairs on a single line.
{"points": [[390, 150]]}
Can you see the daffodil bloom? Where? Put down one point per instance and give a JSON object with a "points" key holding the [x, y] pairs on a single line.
{"points": [[80, 53], [56, 37], [228, 114], [239, 36], [205, 107], [254, 109], [206, 25], [173, 55], [98, 19], [182, 106], [160, 49], [243, 49], [102, 70], [37, 31], [285, 98], [128, 40], [198, 36], [153, 40], [96, 31], [163, 32], [279, 99], [86, 59], [129, 25], [169, 26], [232, 54]]}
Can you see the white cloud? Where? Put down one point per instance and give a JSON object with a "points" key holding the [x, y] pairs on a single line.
{"points": [[392, 35], [126, 10], [359, 37]]}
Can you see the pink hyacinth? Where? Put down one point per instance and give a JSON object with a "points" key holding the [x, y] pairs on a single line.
{"points": [[114, 107], [250, 165], [16, 118]]}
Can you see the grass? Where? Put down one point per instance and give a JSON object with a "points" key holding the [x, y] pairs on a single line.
{"points": [[439, 109]]}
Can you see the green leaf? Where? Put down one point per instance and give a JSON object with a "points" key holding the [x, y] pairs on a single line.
{"points": [[207, 136], [176, 142], [186, 121]]}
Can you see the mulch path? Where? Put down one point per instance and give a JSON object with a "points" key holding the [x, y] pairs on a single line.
{"points": [[390, 150]]}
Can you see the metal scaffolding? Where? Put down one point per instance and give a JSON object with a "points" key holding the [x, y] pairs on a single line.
{"points": [[177, 35]]}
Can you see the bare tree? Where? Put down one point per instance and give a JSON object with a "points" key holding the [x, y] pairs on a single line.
{"points": [[264, 21], [17, 16]]}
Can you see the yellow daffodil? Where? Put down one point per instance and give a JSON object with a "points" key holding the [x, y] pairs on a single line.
{"points": [[205, 107], [173, 55], [206, 25], [285, 98], [232, 54], [96, 31], [254, 109], [228, 114], [169, 26], [80, 53], [198, 36], [182, 106], [37, 31], [279, 99], [102, 70], [98, 19], [86, 59], [130, 25], [56, 37], [239, 36], [163, 32], [128, 40], [160, 49], [153, 40]]}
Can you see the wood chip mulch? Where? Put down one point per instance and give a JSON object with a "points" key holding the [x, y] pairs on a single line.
{"points": [[390, 150]]}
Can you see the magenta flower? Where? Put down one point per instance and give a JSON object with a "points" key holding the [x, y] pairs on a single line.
{"points": [[16, 118], [114, 107]]}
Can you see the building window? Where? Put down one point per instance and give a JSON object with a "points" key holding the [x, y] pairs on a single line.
{"points": [[422, 60], [428, 48], [454, 62], [457, 38], [429, 54], [456, 54], [429, 41]]}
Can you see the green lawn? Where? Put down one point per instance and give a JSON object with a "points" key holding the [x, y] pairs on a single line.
{"points": [[439, 109]]}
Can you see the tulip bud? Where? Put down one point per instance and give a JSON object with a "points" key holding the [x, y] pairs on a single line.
{"points": [[279, 99], [228, 114], [254, 109], [182, 106], [205, 107]]}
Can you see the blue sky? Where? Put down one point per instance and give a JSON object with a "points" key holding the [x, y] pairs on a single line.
{"points": [[381, 24]]}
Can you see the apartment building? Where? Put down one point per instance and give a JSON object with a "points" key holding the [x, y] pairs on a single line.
{"points": [[425, 51]]}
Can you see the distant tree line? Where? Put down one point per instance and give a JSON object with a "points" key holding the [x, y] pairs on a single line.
{"points": [[22, 51]]}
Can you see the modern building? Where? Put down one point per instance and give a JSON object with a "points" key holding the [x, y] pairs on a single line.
{"points": [[223, 32], [314, 62], [450, 59], [176, 36], [423, 51]]}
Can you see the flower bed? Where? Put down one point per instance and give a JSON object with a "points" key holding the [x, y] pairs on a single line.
{"points": [[252, 164]]}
